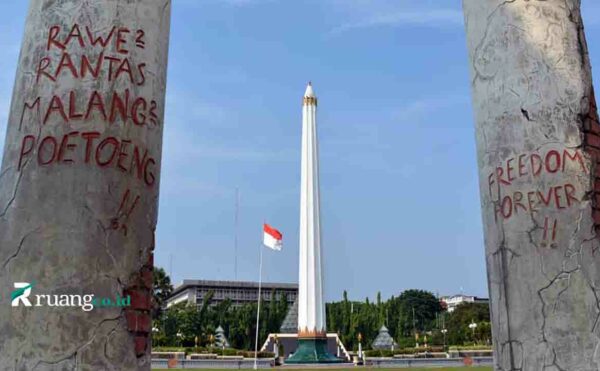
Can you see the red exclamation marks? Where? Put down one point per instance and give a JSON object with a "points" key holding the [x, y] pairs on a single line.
{"points": [[125, 209], [549, 233]]}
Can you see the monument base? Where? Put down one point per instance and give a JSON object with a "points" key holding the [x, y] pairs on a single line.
{"points": [[312, 350]]}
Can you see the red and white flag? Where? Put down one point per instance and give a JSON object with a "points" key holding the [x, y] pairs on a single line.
{"points": [[272, 238]]}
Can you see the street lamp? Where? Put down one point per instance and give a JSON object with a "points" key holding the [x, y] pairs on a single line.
{"points": [[444, 331], [359, 346], [180, 336], [155, 332], [276, 346], [473, 326]]}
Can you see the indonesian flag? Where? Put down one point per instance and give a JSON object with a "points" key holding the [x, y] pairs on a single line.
{"points": [[272, 238]]}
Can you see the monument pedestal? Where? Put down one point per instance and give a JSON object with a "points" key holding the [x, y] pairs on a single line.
{"points": [[312, 350]]}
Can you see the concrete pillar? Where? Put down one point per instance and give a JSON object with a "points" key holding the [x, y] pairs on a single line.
{"points": [[538, 146], [79, 185]]}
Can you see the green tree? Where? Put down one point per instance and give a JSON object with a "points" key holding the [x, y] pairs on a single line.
{"points": [[180, 319], [347, 318], [381, 310], [458, 324], [162, 289], [413, 310], [272, 315]]}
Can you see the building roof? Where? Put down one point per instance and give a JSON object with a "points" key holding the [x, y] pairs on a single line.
{"points": [[235, 284], [449, 297]]}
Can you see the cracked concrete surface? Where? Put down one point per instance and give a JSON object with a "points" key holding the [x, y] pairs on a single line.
{"points": [[533, 99], [57, 220]]}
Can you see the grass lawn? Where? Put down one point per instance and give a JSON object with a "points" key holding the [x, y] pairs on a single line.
{"points": [[364, 368]]}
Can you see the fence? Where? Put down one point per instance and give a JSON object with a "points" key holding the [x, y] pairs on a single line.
{"points": [[213, 363], [372, 362]]}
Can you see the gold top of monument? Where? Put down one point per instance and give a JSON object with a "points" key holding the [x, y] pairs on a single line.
{"points": [[309, 95]]}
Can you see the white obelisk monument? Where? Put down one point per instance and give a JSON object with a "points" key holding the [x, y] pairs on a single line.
{"points": [[312, 335]]}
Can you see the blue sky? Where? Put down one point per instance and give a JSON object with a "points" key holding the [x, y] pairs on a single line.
{"points": [[400, 200]]}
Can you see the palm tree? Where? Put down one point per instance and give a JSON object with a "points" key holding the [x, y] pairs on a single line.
{"points": [[162, 289]]}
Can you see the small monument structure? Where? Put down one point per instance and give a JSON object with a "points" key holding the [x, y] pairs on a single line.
{"points": [[290, 322], [384, 340], [220, 338]]}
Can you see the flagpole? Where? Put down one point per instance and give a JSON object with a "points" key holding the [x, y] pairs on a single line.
{"points": [[235, 243], [258, 310]]}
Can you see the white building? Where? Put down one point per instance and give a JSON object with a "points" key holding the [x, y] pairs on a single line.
{"points": [[237, 292], [453, 301]]}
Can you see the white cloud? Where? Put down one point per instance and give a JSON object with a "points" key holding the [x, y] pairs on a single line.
{"points": [[184, 107], [420, 107], [242, 2], [237, 3], [189, 120], [429, 18], [177, 184], [182, 145]]}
